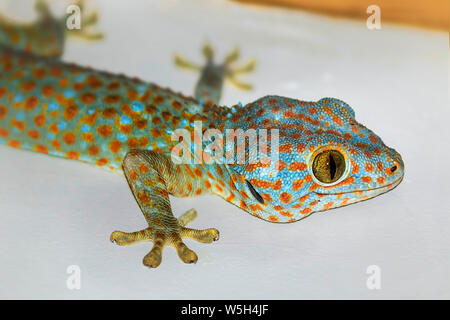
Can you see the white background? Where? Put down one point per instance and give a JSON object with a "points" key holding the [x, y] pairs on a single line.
{"points": [[55, 213]]}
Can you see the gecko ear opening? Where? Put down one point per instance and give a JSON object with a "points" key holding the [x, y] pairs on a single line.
{"points": [[254, 192]]}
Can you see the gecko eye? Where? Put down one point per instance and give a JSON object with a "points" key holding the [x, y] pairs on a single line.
{"points": [[328, 166], [254, 192]]}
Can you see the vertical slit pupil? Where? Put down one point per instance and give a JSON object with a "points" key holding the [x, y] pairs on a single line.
{"points": [[332, 164]]}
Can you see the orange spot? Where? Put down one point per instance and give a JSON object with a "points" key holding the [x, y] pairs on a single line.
{"points": [[3, 91], [63, 82], [244, 194], [73, 155], [273, 218], [33, 134], [14, 143], [156, 120], [115, 146], [144, 198], [297, 166], [88, 136], [40, 148], [69, 138], [255, 207], [230, 198], [4, 133], [133, 175], [94, 82], [266, 197], [53, 128], [102, 162], [112, 98], [39, 73], [143, 168], [297, 184], [90, 119], [47, 90], [88, 97], [314, 186], [243, 205], [93, 150], [19, 125], [218, 187], [105, 130], [150, 109], [312, 110], [369, 167], [109, 112], [56, 144], [132, 94], [277, 185], [301, 148], [355, 168], [3, 112], [286, 213], [133, 143], [373, 139], [70, 111], [141, 124], [285, 148], [305, 211], [176, 105], [285, 197], [158, 99], [337, 120], [125, 129], [328, 205], [28, 86], [261, 183], [31, 103], [381, 180], [198, 172], [366, 179], [143, 141], [380, 165]]}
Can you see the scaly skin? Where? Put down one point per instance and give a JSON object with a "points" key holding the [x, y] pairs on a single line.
{"points": [[126, 125]]}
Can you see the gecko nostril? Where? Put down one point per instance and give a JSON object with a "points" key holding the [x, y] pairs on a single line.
{"points": [[393, 169]]}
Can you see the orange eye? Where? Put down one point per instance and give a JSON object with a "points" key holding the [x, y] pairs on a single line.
{"points": [[328, 166]]}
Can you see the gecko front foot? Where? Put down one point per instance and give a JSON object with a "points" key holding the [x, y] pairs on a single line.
{"points": [[162, 237]]}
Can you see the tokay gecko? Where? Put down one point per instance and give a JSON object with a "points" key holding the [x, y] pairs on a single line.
{"points": [[326, 159]]}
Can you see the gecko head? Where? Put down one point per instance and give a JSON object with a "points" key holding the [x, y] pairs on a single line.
{"points": [[325, 159]]}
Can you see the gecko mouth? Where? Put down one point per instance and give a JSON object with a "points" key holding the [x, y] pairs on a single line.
{"points": [[389, 186]]}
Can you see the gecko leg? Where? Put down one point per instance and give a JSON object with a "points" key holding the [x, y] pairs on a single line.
{"points": [[152, 176]]}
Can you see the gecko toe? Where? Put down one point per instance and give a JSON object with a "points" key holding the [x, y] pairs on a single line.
{"points": [[205, 236]]}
